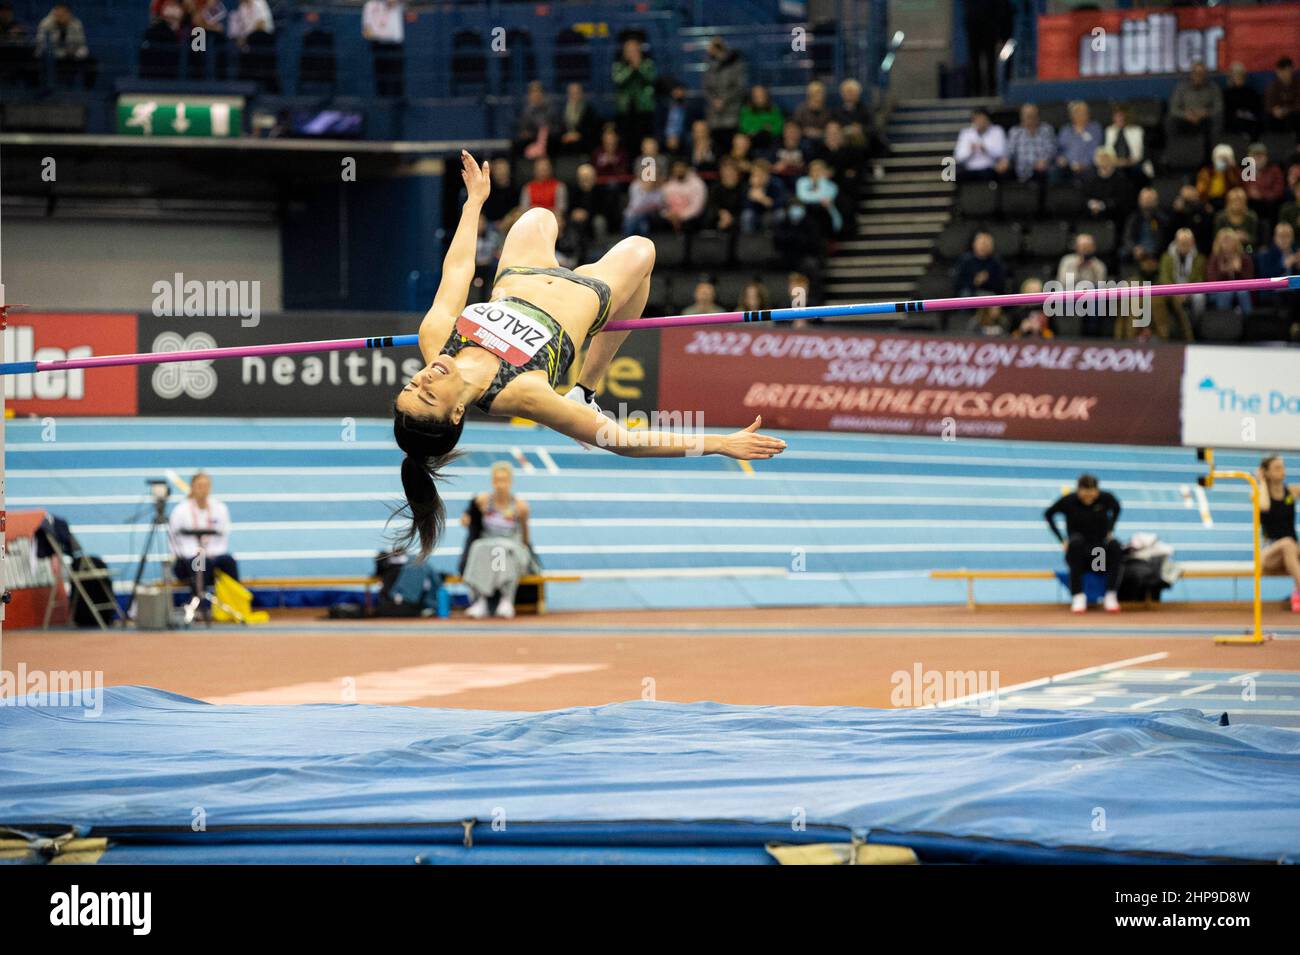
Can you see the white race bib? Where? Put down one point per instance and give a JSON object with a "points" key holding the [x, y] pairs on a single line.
{"points": [[504, 330]]}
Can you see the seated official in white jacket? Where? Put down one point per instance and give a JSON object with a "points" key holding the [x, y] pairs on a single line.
{"points": [[199, 512]]}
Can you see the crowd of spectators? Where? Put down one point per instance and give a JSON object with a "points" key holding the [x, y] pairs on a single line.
{"points": [[729, 161], [1234, 217]]}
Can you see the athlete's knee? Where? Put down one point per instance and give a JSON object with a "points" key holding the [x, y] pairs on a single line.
{"points": [[643, 252], [542, 220]]}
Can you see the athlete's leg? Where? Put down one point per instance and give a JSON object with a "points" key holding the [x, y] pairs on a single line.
{"points": [[531, 241], [626, 268], [1282, 557]]}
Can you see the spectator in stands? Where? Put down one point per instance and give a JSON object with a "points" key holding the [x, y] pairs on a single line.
{"points": [[1221, 176], [855, 116], [677, 120], [1031, 321], [685, 198], [487, 249], [171, 13], [791, 155], [817, 194], [1180, 264], [980, 147], [702, 155], [11, 30], [62, 35], [741, 152], [645, 205], [980, 271], [813, 114], [1282, 98], [498, 549], [1192, 212], [1128, 143], [1077, 141], [1266, 188], [799, 289], [251, 16], [579, 126], [1196, 106], [634, 76], [609, 158], [753, 297], [1239, 217], [764, 199], [1290, 212], [1081, 265], [1107, 193], [382, 23], [1243, 107], [589, 210], [846, 161], [761, 119], [1144, 236], [651, 162], [724, 83], [727, 198], [1281, 553], [988, 320], [211, 15], [1228, 261], [501, 200], [1282, 257], [201, 511], [705, 299], [1090, 515], [536, 122], [544, 191], [1031, 148]]}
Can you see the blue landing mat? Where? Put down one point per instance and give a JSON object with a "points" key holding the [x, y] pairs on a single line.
{"points": [[641, 782]]}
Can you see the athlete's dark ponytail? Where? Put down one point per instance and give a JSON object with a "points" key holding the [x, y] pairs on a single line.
{"points": [[429, 447]]}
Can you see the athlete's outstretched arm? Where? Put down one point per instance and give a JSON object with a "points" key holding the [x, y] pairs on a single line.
{"points": [[458, 266], [581, 423]]}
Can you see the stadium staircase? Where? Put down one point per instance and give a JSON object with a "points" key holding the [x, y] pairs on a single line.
{"points": [[901, 212]]}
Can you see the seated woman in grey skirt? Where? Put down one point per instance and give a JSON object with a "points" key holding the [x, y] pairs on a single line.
{"points": [[497, 551]]}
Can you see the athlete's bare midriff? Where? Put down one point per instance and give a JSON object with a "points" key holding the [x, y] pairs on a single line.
{"points": [[573, 306]]}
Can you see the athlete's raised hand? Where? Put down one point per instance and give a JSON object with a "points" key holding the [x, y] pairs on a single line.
{"points": [[749, 445], [477, 181]]}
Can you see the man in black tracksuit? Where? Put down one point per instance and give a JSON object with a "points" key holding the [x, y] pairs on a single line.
{"points": [[1089, 541]]}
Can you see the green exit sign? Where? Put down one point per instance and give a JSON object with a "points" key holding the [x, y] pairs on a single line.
{"points": [[140, 114]]}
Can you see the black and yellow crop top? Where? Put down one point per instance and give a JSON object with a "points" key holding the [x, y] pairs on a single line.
{"points": [[525, 337]]}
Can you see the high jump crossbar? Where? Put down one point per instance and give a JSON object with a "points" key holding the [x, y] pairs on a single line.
{"points": [[1108, 297]]}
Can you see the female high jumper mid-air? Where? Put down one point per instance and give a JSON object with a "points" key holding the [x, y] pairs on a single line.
{"points": [[507, 355]]}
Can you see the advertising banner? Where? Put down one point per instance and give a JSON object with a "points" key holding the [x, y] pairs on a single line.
{"points": [[823, 379], [54, 336], [1152, 42], [1242, 398]]}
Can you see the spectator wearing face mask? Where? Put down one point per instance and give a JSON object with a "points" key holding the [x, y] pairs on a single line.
{"points": [[1182, 263], [1214, 181]]}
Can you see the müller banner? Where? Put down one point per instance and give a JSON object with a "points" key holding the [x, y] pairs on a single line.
{"points": [[829, 380], [1152, 41]]}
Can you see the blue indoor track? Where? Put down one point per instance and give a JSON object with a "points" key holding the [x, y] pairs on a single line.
{"points": [[837, 519]]}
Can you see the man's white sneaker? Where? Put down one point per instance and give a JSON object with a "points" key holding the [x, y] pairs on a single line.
{"points": [[505, 609], [1111, 602], [478, 609], [1079, 604]]}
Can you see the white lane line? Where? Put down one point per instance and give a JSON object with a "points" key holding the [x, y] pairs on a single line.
{"points": [[1152, 701], [1204, 687], [1048, 680], [393, 687], [1242, 678], [1203, 503], [547, 460], [522, 460]]}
